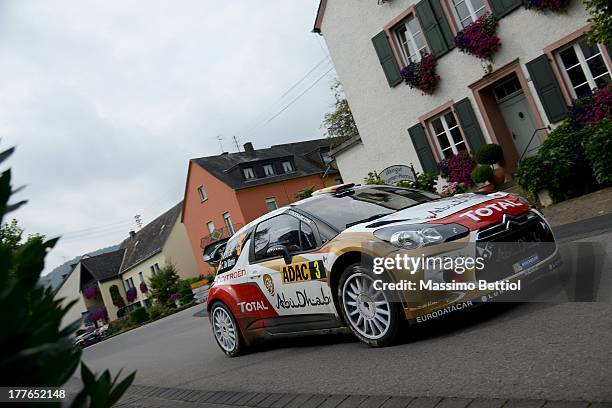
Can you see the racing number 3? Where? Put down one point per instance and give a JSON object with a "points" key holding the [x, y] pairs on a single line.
{"points": [[303, 271]]}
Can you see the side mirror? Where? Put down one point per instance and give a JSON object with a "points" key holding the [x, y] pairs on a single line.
{"points": [[213, 252], [279, 250]]}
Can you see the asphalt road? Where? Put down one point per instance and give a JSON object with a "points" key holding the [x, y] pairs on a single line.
{"points": [[556, 351]]}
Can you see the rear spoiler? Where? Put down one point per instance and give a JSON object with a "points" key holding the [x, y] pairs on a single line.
{"points": [[213, 251]]}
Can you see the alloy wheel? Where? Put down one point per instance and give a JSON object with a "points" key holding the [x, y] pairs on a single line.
{"points": [[367, 309], [224, 329]]}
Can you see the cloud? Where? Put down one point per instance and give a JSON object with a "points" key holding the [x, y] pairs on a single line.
{"points": [[107, 101]]}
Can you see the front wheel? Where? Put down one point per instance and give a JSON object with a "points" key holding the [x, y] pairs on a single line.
{"points": [[367, 311], [225, 329]]}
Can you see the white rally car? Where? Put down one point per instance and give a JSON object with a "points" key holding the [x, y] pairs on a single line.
{"points": [[308, 267]]}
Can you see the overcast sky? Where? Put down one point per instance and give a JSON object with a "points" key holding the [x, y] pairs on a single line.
{"points": [[107, 100]]}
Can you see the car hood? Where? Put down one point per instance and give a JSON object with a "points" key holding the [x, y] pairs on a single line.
{"points": [[452, 209]]}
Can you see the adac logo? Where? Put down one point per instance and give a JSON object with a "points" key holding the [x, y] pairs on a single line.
{"points": [[303, 272], [268, 283]]}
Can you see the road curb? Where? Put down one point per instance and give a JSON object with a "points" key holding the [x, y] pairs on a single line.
{"points": [[587, 227], [144, 395]]}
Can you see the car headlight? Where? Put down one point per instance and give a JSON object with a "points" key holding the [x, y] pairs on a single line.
{"points": [[419, 235]]}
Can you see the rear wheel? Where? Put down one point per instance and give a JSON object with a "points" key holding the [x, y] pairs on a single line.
{"points": [[225, 329], [369, 313]]}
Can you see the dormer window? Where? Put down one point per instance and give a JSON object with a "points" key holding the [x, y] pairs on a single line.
{"points": [[268, 170], [248, 173], [287, 166], [326, 157]]}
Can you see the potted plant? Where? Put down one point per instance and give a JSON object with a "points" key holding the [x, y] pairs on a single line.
{"points": [[481, 176], [143, 288], [491, 154], [453, 188]]}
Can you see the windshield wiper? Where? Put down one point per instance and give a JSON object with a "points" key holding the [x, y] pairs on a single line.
{"points": [[372, 218]]}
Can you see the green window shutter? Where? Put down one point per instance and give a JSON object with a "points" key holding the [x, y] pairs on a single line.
{"points": [[423, 150], [387, 59], [547, 87], [504, 7], [435, 27], [469, 124]]}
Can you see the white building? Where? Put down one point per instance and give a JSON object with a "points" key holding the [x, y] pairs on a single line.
{"points": [[543, 63]]}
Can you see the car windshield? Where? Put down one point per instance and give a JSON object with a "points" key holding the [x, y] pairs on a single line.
{"points": [[362, 204]]}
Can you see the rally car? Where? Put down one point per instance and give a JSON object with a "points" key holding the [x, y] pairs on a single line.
{"points": [[308, 267]]}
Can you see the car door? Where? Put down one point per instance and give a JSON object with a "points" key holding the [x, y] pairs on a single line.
{"points": [[297, 287]]}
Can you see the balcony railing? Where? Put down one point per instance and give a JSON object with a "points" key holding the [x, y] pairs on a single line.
{"points": [[218, 234]]}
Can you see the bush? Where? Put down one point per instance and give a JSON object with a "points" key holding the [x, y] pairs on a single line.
{"points": [[36, 350], [372, 178], [164, 283], [115, 326], [157, 311], [139, 315], [591, 109], [490, 154], [424, 181], [598, 151], [184, 290], [482, 174], [560, 166]]}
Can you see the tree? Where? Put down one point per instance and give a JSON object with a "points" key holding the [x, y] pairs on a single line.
{"points": [[601, 21], [164, 284], [34, 350], [340, 123]]}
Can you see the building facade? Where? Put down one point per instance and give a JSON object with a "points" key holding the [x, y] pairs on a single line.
{"points": [[225, 192], [544, 62], [105, 281]]}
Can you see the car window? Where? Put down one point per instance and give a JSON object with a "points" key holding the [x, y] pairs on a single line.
{"points": [[285, 230], [362, 204], [232, 251]]}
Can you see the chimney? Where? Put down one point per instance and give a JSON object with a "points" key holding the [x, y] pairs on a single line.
{"points": [[132, 235], [248, 149]]}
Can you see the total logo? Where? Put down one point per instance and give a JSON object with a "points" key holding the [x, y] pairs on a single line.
{"points": [[252, 306], [489, 210]]}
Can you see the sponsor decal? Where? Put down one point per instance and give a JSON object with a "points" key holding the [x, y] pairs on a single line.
{"points": [[439, 313], [231, 275], [268, 283], [303, 272], [301, 300], [300, 216], [451, 203], [490, 209], [252, 306]]}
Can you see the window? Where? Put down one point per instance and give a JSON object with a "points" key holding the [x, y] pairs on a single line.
{"points": [[507, 89], [584, 67], [447, 134], [129, 282], [154, 268], [202, 193], [365, 203], [287, 167], [411, 40], [248, 173], [141, 276], [283, 230], [271, 203], [228, 223], [268, 170], [466, 11], [211, 226], [338, 181]]}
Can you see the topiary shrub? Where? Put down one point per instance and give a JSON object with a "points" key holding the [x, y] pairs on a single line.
{"points": [[139, 315], [482, 174], [490, 154]]}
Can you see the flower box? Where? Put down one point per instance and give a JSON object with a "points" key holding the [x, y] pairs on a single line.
{"points": [[130, 294], [547, 5], [422, 75], [479, 38]]}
